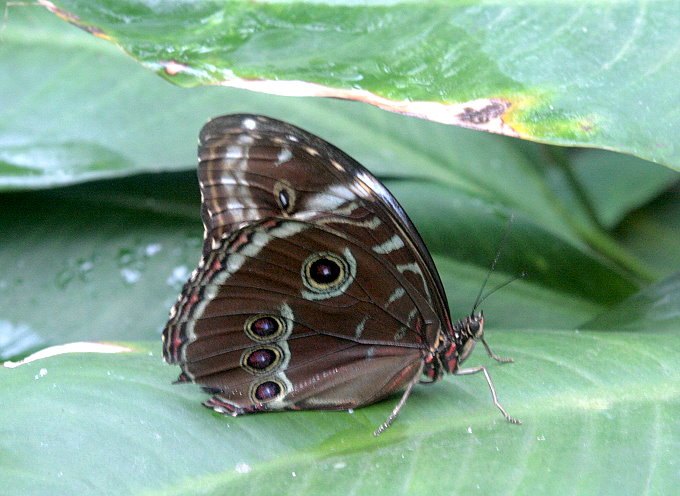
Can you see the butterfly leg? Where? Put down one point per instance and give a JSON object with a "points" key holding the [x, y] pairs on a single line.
{"points": [[396, 410], [493, 390], [494, 356]]}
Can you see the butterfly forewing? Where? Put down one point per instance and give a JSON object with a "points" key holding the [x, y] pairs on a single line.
{"points": [[252, 167]]}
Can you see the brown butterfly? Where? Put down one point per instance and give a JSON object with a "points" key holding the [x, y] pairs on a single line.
{"points": [[315, 291]]}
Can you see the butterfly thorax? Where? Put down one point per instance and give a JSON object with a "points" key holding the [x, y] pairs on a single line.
{"points": [[455, 345], [466, 332]]}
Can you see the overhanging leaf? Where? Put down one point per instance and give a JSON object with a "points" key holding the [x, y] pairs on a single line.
{"points": [[557, 73]]}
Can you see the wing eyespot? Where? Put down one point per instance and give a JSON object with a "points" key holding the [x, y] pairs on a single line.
{"points": [[324, 271], [262, 360], [266, 391], [264, 328], [284, 196], [326, 274]]}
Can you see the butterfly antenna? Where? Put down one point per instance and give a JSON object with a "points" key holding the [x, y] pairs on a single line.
{"points": [[501, 286], [479, 298]]}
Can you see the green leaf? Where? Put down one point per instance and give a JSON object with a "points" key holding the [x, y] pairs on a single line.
{"points": [[100, 261], [654, 308], [557, 73], [617, 184], [652, 232], [71, 126], [90, 423]]}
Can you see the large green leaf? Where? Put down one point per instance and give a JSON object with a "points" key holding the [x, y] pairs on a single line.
{"points": [[594, 74], [591, 402], [653, 309], [652, 232]]}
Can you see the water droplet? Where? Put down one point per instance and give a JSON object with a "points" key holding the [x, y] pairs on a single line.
{"points": [[85, 267], [80, 268], [242, 468], [130, 276], [152, 249]]}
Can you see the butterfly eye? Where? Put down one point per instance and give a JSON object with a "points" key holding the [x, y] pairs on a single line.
{"points": [[264, 328], [261, 360], [266, 391], [474, 326]]}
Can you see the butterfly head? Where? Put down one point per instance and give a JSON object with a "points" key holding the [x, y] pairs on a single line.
{"points": [[466, 332]]}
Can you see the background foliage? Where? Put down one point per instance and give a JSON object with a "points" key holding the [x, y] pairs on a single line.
{"points": [[100, 227]]}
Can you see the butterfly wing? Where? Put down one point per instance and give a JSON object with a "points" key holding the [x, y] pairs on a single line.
{"points": [[252, 167], [314, 290]]}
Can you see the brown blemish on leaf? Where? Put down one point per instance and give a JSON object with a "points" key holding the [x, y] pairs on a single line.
{"points": [[485, 114], [74, 19]]}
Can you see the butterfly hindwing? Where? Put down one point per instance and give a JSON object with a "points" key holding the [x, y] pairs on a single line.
{"points": [[262, 317]]}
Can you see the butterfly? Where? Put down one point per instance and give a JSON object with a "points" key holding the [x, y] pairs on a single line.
{"points": [[315, 290]]}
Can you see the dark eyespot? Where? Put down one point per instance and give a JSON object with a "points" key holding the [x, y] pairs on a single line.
{"points": [[267, 390], [328, 274], [264, 328], [261, 359], [324, 271]]}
